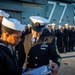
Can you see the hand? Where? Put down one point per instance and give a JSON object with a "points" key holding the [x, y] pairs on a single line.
{"points": [[54, 68]]}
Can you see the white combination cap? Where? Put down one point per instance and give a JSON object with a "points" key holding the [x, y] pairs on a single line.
{"points": [[29, 25], [39, 19], [60, 26], [66, 24], [4, 14], [53, 24], [38, 23], [49, 24], [12, 24]]}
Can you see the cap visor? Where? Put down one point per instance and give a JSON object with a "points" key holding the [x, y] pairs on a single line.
{"points": [[37, 29]]}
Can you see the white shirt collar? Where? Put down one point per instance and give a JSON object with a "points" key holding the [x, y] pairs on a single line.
{"points": [[2, 44], [33, 39], [11, 49]]}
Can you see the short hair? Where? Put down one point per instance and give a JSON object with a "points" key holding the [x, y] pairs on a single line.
{"points": [[6, 29], [0, 30]]}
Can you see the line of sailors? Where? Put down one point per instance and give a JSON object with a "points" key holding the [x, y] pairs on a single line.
{"points": [[64, 36]]}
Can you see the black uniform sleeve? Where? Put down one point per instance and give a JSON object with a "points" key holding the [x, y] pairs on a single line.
{"points": [[21, 53], [54, 56], [1, 66], [2, 61]]}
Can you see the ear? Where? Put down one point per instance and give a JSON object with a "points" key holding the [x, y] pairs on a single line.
{"points": [[7, 34]]}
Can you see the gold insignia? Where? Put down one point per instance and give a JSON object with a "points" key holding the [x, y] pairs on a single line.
{"points": [[35, 64], [59, 60], [36, 57]]}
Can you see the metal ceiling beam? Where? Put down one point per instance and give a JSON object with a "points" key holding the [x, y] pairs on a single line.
{"points": [[64, 1]]}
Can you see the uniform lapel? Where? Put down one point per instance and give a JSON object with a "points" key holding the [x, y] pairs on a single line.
{"points": [[16, 61]]}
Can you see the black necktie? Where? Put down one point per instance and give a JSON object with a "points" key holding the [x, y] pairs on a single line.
{"points": [[35, 39]]}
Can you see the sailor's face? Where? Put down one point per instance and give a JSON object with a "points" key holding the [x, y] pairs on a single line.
{"points": [[36, 34], [14, 39], [1, 19]]}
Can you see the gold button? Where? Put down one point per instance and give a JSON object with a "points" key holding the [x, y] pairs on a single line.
{"points": [[36, 57], [35, 64], [27, 62], [28, 56]]}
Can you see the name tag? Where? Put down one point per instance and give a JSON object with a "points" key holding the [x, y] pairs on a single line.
{"points": [[43, 46]]}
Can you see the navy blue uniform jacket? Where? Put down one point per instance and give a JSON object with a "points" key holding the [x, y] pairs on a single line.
{"points": [[40, 53], [9, 64]]}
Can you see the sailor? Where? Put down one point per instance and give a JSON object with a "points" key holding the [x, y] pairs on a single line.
{"points": [[37, 49], [2, 14], [66, 37], [11, 33]]}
